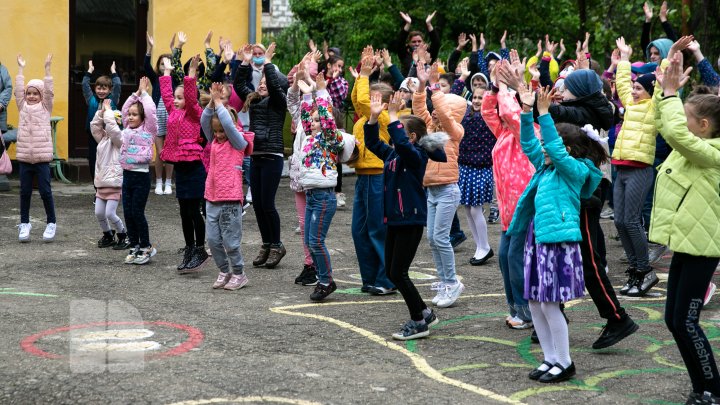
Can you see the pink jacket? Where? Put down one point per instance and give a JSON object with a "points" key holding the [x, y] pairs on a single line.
{"points": [[137, 148], [183, 139], [450, 110], [104, 128], [225, 176], [34, 137], [511, 168]]}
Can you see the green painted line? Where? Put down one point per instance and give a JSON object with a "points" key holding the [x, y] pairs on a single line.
{"points": [[350, 291], [516, 365], [524, 350], [411, 346], [480, 338], [653, 315], [518, 396], [594, 381], [26, 294], [6, 288], [464, 367], [470, 317]]}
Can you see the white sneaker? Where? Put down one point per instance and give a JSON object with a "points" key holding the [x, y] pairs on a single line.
{"points": [[158, 188], [340, 199], [24, 235], [297, 230], [168, 189], [49, 234], [440, 288], [248, 197], [452, 293], [132, 254]]}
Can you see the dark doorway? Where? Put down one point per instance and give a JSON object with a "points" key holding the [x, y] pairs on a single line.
{"points": [[102, 31]]}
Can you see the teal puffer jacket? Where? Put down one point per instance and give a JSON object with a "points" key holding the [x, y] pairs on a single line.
{"points": [[552, 198]]}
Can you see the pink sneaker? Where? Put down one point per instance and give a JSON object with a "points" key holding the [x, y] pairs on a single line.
{"points": [[237, 281], [222, 279]]}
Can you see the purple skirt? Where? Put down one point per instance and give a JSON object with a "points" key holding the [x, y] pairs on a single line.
{"points": [[553, 271]]}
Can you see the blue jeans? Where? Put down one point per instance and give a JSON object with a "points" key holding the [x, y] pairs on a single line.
{"points": [[27, 173], [512, 251], [368, 230], [319, 211], [135, 190], [224, 234], [441, 206]]}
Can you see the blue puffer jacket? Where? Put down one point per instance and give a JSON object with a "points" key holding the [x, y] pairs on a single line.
{"points": [[553, 195], [404, 169]]}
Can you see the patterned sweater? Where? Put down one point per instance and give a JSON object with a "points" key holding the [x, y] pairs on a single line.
{"points": [[478, 142], [319, 151]]}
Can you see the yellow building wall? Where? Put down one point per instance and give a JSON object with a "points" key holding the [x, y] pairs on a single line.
{"points": [[36, 28]]}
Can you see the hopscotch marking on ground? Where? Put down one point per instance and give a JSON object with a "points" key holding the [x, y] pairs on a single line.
{"points": [[250, 399]]}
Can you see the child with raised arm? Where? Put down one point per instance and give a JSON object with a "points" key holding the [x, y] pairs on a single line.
{"points": [[108, 174], [138, 138], [223, 189], [104, 87], [405, 201], [549, 209], [685, 217], [35, 146], [183, 148]]}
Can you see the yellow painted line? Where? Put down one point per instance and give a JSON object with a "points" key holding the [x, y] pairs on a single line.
{"points": [[653, 314], [661, 360], [555, 388], [480, 338], [465, 367], [418, 361], [263, 398]]}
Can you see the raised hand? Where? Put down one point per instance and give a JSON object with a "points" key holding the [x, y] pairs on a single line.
{"points": [[663, 11], [516, 63], [387, 59], [91, 67], [534, 71], [625, 50], [353, 72], [434, 74], [680, 45], [482, 41], [143, 85], [194, 62], [462, 41], [246, 53], [228, 53], [312, 46], [106, 104], [378, 57], [182, 39], [172, 42], [422, 54], [216, 91], [48, 63], [406, 17], [527, 98], [648, 12], [320, 83], [207, 40], [539, 52], [376, 107], [422, 76], [562, 48], [550, 46], [304, 87], [150, 42], [325, 49], [112, 68], [222, 42], [586, 43], [473, 42], [464, 71], [315, 56], [366, 66], [270, 53], [502, 40], [367, 51], [614, 58], [428, 19], [674, 78], [544, 98], [167, 66], [394, 106]]}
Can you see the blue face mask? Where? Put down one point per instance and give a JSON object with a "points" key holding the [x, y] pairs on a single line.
{"points": [[258, 60]]}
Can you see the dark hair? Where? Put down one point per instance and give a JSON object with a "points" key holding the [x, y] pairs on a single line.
{"points": [[415, 34], [448, 77], [706, 107], [413, 123], [333, 60], [140, 108], [581, 145], [252, 98], [607, 89], [703, 89], [594, 65], [104, 81], [159, 61], [385, 89]]}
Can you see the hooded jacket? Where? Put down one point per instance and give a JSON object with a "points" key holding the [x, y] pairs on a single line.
{"points": [[663, 46], [108, 172], [450, 110], [34, 138], [367, 163], [686, 203]]}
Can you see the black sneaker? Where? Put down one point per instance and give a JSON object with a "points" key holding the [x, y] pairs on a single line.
{"points": [[107, 240], [709, 398], [366, 288], [456, 240], [431, 319], [299, 279], [614, 332], [694, 399], [534, 337], [322, 291], [310, 277], [412, 330], [382, 290], [494, 215], [199, 255], [122, 242], [187, 252], [644, 282], [631, 272]]}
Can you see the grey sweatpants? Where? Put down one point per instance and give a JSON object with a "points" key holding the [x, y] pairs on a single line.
{"points": [[223, 227], [630, 190]]}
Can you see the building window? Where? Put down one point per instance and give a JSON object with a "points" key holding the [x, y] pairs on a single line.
{"points": [[266, 6]]}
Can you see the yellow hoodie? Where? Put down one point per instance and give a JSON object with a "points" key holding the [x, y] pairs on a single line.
{"points": [[367, 162]]}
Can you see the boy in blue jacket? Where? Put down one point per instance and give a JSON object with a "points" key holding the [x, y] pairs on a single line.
{"points": [[104, 87]]}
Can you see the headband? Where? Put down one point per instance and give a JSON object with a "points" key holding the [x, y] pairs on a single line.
{"points": [[591, 133]]}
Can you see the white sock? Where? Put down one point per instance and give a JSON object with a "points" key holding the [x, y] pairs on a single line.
{"points": [[559, 332], [426, 312], [543, 331], [168, 182], [478, 227], [158, 180]]}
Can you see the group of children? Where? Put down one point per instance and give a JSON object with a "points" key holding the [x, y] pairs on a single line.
{"points": [[534, 135]]}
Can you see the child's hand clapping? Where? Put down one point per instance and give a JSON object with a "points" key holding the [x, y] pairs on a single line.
{"points": [[544, 98], [143, 86], [269, 53], [107, 106], [366, 66], [216, 91], [673, 78], [247, 54], [192, 70], [434, 74], [396, 104], [320, 82], [304, 87], [625, 50]]}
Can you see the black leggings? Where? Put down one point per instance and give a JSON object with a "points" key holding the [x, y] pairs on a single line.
{"points": [[192, 221], [687, 283], [265, 172], [401, 243]]}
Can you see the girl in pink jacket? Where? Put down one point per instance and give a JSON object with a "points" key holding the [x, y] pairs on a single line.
{"points": [[35, 146], [108, 174], [512, 172]]}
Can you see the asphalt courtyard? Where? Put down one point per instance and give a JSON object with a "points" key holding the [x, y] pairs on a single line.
{"points": [[80, 327]]}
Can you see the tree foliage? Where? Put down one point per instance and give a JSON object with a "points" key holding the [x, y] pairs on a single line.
{"points": [[352, 25]]}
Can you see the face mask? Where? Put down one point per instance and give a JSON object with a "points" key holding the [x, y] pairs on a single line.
{"points": [[258, 60]]}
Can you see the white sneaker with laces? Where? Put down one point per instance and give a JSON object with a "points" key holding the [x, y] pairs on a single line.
{"points": [[24, 234], [168, 188], [49, 234], [440, 288], [340, 199], [452, 293], [158, 188]]}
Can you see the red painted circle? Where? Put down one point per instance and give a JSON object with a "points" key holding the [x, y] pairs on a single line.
{"points": [[195, 338]]}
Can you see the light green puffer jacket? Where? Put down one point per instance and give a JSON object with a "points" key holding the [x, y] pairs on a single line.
{"points": [[686, 208]]}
